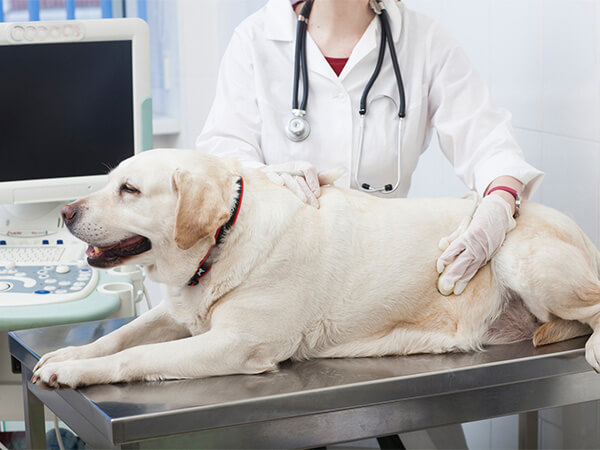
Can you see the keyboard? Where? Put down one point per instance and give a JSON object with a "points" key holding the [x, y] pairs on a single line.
{"points": [[31, 255], [43, 271], [30, 252]]}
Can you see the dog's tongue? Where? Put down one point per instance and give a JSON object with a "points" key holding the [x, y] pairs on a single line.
{"points": [[96, 251]]}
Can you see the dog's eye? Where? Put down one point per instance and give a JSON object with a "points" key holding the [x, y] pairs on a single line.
{"points": [[128, 189]]}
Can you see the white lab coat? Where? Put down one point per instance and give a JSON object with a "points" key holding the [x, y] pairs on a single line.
{"points": [[443, 92]]}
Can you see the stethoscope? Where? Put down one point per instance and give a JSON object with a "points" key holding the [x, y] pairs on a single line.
{"points": [[298, 127]]}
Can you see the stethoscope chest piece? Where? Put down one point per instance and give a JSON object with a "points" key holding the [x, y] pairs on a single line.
{"points": [[297, 129]]}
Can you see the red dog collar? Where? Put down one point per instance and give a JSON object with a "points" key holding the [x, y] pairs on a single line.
{"points": [[204, 266]]}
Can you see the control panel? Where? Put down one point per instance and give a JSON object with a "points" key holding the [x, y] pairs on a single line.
{"points": [[24, 33], [41, 270], [42, 284]]}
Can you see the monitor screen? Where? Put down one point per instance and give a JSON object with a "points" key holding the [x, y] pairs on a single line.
{"points": [[66, 109]]}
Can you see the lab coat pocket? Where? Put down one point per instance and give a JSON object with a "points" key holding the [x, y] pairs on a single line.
{"points": [[276, 147]]}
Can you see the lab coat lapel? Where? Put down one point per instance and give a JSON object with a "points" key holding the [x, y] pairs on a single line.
{"points": [[372, 36], [367, 43], [316, 62], [281, 25]]}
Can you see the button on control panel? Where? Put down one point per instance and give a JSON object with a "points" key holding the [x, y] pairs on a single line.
{"points": [[35, 285], [55, 32]]}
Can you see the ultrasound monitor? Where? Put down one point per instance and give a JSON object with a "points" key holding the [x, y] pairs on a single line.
{"points": [[75, 101]]}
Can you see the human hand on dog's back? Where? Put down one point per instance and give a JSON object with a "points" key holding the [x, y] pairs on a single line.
{"points": [[305, 185], [468, 251]]}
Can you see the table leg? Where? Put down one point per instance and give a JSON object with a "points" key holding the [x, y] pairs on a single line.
{"points": [[392, 442], [528, 431], [35, 428]]}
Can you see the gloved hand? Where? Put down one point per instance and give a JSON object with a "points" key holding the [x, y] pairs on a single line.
{"points": [[467, 251], [306, 187]]}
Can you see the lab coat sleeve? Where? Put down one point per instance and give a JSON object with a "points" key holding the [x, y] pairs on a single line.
{"points": [[474, 135], [233, 126]]}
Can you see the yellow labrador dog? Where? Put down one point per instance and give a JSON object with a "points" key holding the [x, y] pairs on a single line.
{"points": [[259, 277]]}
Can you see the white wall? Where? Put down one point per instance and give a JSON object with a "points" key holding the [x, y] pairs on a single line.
{"points": [[541, 60], [539, 57]]}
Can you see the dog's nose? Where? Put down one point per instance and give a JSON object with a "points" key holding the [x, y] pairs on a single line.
{"points": [[69, 213]]}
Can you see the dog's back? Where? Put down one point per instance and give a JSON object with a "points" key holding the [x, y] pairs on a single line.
{"points": [[374, 281]]}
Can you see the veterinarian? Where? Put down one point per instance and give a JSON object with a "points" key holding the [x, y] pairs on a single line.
{"points": [[255, 119]]}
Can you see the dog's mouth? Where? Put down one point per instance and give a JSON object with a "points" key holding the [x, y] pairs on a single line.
{"points": [[113, 255]]}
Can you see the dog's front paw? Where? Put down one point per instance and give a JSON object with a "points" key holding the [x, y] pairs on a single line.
{"points": [[62, 375], [64, 354]]}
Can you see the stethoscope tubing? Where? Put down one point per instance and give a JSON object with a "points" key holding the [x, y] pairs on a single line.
{"points": [[300, 64], [365, 187], [302, 128], [388, 32], [363, 99]]}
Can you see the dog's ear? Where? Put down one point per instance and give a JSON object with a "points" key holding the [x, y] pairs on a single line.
{"points": [[201, 207]]}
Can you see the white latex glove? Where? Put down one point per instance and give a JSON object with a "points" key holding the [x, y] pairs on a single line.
{"points": [[467, 251], [306, 187]]}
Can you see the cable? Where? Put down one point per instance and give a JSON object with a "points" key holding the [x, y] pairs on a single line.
{"points": [[58, 436], [147, 297]]}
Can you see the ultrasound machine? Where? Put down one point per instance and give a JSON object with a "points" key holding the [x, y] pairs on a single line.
{"points": [[75, 99]]}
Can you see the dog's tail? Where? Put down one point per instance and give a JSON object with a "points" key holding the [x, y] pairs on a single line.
{"points": [[330, 176], [558, 330]]}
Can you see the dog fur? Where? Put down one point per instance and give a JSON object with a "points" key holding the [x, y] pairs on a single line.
{"points": [[355, 278]]}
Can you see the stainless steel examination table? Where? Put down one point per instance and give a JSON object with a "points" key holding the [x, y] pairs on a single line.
{"points": [[306, 404]]}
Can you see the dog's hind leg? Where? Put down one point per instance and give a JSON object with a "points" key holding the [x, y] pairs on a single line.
{"points": [[556, 279], [400, 341]]}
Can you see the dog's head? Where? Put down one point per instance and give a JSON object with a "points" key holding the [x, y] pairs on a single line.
{"points": [[157, 204]]}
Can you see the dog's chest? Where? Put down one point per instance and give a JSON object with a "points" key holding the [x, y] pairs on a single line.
{"points": [[187, 314]]}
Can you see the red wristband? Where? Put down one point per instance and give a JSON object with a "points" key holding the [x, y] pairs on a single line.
{"points": [[511, 191]]}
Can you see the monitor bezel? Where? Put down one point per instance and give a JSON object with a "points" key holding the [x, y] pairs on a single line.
{"points": [[128, 29]]}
